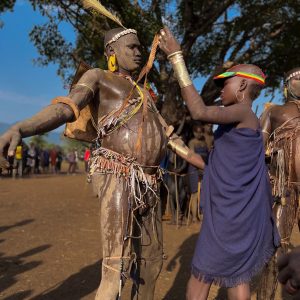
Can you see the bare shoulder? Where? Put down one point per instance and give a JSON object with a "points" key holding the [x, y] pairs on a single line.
{"points": [[282, 113], [191, 143], [95, 73]]}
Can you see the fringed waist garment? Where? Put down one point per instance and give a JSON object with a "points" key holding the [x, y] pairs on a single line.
{"points": [[238, 235], [280, 147], [106, 161]]}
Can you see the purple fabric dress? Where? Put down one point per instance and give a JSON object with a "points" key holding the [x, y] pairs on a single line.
{"points": [[238, 235]]}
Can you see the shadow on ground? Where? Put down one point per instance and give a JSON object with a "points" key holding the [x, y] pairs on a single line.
{"points": [[76, 286], [12, 266], [18, 224], [184, 258]]}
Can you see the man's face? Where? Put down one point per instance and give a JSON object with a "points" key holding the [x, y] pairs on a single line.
{"points": [[127, 52]]}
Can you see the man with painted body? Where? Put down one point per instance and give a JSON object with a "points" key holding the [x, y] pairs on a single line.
{"points": [[125, 179], [281, 132]]}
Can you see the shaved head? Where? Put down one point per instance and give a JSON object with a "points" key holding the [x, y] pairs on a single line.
{"points": [[254, 87], [288, 73], [111, 33], [292, 83], [247, 68]]}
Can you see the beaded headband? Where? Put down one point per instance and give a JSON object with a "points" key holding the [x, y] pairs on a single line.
{"points": [[292, 75], [120, 34], [257, 78]]}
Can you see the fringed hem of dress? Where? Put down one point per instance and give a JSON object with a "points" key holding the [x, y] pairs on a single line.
{"points": [[228, 282]]}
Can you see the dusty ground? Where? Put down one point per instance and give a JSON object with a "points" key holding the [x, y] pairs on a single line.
{"points": [[50, 246]]}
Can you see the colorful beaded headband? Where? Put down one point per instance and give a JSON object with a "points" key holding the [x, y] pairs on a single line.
{"points": [[259, 79], [120, 34]]}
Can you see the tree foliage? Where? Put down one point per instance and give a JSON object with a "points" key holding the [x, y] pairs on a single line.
{"points": [[40, 140], [71, 144], [213, 35], [6, 5]]}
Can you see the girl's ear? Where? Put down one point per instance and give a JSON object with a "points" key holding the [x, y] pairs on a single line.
{"points": [[243, 85]]}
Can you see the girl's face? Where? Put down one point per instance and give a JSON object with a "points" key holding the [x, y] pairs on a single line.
{"points": [[198, 132], [230, 91]]}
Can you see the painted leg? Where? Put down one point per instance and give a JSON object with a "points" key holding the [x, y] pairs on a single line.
{"points": [[113, 220], [149, 250], [298, 211], [284, 216], [268, 282]]}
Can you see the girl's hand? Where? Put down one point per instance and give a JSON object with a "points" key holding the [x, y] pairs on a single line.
{"points": [[168, 44]]}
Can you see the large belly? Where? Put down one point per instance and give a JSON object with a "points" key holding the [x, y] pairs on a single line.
{"points": [[296, 162], [290, 159], [153, 140]]}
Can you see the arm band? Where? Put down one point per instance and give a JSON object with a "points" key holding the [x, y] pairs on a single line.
{"points": [[70, 103], [180, 69], [182, 151], [86, 86]]}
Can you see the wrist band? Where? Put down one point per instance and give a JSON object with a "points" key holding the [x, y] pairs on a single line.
{"points": [[173, 54], [69, 102], [180, 150], [180, 69]]}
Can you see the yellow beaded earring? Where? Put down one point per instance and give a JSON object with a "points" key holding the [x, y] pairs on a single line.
{"points": [[285, 92], [112, 63]]}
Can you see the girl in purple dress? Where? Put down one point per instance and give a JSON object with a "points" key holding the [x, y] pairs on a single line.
{"points": [[238, 235]]}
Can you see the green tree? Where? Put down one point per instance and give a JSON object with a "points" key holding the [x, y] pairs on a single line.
{"points": [[6, 5], [71, 144], [213, 35], [40, 140]]}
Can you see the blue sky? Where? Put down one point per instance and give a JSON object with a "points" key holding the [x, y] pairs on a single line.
{"points": [[24, 87]]}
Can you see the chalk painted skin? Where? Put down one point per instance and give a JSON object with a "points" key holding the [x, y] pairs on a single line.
{"points": [[110, 89], [286, 209]]}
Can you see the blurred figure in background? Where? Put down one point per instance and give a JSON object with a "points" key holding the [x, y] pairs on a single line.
{"points": [[86, 158], [76, 159], [59, 160], [53, 157], [18, 162], [45, 160], [30, 158], [198, 145], [71, 157], [37, 160]]}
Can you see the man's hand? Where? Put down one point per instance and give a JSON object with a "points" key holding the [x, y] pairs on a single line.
{"points": [[289, 271], [9, 140], [168, 44]]}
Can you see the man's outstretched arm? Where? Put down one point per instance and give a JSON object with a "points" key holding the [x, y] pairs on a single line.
{"points": [[64, 109]]}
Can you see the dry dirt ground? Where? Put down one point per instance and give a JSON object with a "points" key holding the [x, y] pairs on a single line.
{"points": [[50, 243]]}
